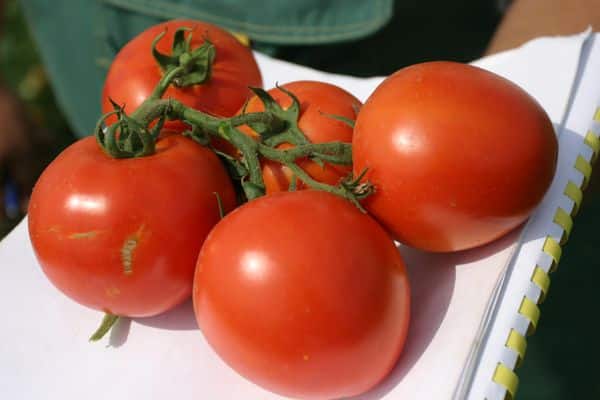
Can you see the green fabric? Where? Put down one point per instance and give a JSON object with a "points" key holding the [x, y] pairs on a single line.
{"points": [[69, 40], [272, 21], [78, 39]]}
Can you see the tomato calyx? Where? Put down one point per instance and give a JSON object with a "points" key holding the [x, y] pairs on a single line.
{"points": [[340, 118], [129, 137], [288, 131], [193, 66]]}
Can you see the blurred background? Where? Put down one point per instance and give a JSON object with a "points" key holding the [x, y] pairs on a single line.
{"points": [[561, 357]]}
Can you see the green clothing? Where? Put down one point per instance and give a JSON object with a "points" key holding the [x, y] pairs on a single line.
{"points": [[78, 39]]}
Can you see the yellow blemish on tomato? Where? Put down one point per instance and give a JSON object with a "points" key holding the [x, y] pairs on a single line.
{"points": [[128, 249], [83, 235], [305, 357], [112, 291]]}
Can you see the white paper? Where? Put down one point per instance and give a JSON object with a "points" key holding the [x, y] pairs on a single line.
{"points": [[44, 352]]}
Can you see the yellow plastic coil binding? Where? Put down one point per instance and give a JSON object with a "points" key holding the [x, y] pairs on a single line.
{"points": [[594, 143], [573, 192], [542, 280], [506, 377], [503, 375], [564, 220], [553, 249], [518, 344], [531, 311], [583, 166]]}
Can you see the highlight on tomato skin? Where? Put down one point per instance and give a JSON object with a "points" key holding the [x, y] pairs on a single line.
{"points": [[459, 156], [320, 103], [304, 295], [134, 72], [122, 235]]}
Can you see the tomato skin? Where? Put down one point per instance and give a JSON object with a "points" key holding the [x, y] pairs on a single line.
{"points": [[315, 99], [134, 73], [90, 213], [313, 304], [458, 155]]}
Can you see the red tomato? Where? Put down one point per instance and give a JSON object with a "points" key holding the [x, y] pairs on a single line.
{"points": [[316, 99], [458, 155], [123, 236], [134, 73], [314, 304]]}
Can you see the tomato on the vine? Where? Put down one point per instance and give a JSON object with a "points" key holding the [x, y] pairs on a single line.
{"points": [[319, 103], [123, 235], [134, 72], [303, 294], [458, 155]]}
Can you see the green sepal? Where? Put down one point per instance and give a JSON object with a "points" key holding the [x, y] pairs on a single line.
{"points": [[164, 61], [252, 184], [236, 168], [181, 44], [252, 190], [357, 187], [126, 138], [220, 205], [340, 118], [290, 132], [197, 134], [195, 65], [108, 321], [293, 184], [155, 131], [198, 66]]}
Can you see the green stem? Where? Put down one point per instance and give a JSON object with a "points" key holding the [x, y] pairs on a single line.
{"points": [[332, 152], [255, 186], [165, 82], [289, 157], [211, 124], [151, 110], [107, 323]]}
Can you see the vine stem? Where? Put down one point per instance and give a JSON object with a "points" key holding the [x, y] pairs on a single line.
{"points": [[165, 81], [289, 160], [152, 109]]}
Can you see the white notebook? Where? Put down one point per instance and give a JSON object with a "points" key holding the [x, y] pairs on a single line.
{"points": [[471, 310]]}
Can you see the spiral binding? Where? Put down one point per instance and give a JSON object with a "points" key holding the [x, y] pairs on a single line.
{"points": [[503, 375]]}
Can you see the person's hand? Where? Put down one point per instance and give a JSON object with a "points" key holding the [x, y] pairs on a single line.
{"points": [[528, 19]]}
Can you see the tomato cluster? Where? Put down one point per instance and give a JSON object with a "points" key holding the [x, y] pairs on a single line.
{"points": [[297, 290]]}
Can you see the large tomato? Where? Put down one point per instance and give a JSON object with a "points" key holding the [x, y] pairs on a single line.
{"points": [[123, 235], [458, 155], [134, 73], [304, 295], [317, 99]]}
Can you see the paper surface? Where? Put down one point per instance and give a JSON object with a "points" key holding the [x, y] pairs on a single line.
{"points": [[44, 352]]}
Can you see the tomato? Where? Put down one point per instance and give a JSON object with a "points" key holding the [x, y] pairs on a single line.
{"points": [[134, 73], [304, 295], [458, 155], [316, 99], [123, 235]]}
